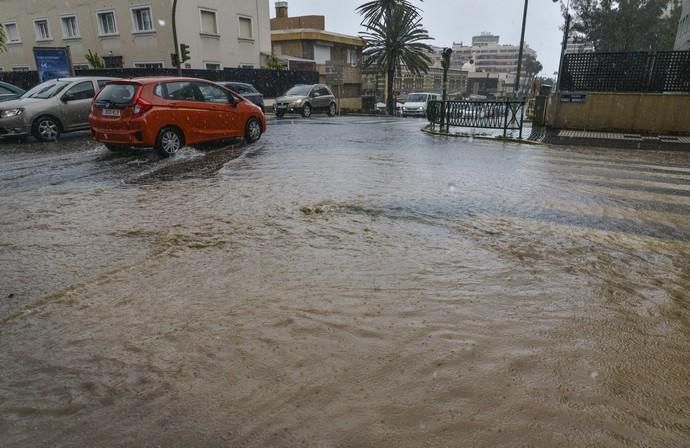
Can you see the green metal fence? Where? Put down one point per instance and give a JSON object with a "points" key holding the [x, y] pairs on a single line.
{"points": [[506, 115]]}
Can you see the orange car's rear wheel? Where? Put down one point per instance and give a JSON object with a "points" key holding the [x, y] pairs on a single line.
{"points": [[169, 142], [253, 130]]}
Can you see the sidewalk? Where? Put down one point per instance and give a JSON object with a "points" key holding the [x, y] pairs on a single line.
{"points": [[610, 139]]}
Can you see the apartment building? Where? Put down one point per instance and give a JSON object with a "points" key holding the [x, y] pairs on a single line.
{"points": [[489, 55], [138, 33], [337, 57], [406, 82]]}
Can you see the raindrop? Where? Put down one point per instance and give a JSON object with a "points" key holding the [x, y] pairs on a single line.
{"points": [[161, 22], [452, 187], [435, 374], [594, 375]]}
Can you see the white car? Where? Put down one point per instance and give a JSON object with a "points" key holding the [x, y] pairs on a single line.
{"points": [[416, 104]]}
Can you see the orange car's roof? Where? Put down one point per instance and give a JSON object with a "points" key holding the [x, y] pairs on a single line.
{"points": [[158, 79]]}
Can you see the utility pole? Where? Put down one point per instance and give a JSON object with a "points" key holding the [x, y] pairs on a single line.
{"points": [[522, 46], [176, 57]]}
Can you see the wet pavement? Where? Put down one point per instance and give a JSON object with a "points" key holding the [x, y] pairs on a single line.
{"points": [[344, 282]]}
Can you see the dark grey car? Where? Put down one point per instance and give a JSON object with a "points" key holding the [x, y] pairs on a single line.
{"points": [[245, 90], [306, 99]]}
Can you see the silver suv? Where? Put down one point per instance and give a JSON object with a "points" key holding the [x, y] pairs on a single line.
{"points": [[51, 108], [306, 99]]}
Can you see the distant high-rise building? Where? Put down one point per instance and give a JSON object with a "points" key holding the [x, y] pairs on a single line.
{"points": [[485, 39], [576, 45], [489, 55]]}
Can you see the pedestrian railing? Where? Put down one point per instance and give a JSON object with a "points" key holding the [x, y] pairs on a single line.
{"points": [[506, 115]]}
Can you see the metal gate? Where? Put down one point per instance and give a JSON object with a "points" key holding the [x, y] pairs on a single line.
{"points": [[506, 115]]}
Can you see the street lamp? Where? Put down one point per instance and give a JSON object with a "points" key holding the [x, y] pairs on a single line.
{"points": [[564, 45], [522, 46], [178, 61]]}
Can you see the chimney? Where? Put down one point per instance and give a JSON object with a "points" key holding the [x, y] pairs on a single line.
{"points": [[281, 9]]}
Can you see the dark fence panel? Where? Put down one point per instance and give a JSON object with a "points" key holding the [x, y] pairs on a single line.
{"points": [[271, 83], [506, 115], [25, 80], [664, 71]]}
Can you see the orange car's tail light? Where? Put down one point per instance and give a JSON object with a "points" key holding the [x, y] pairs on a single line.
{"points": [[141, 106]]}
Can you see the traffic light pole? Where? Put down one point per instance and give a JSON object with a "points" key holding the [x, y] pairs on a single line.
{"points": [[178, 62]]}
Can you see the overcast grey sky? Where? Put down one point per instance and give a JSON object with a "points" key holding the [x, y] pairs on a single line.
{"points": [[459, 20]]}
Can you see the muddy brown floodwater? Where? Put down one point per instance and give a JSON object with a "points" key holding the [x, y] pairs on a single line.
{"points": [[344, 283]]}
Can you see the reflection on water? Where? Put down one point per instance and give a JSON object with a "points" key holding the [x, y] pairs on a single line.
{"points": [[323, 288]]}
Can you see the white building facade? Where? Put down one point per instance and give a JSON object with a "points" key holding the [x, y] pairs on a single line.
{"points": [[137, 33], [489, 55]]}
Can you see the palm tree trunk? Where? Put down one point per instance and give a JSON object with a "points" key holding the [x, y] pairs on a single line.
{"points": [[391, 100]]}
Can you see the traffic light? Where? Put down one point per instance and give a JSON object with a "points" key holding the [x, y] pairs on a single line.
{"points": [[184, 53]]}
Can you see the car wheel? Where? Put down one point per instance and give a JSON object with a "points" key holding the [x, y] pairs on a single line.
{"points": [[116, 148], [280, 114], [46, 129], [332, 109], [252, 131], [169, 141], [306, 111]]}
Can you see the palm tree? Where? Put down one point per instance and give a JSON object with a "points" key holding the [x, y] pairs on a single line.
{"points": [[375, 10], [396, 40], [3, 39]]}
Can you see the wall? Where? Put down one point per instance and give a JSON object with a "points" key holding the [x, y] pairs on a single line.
{"points": [[652, 113], [153, 46], [291, 23], [226, 48]]}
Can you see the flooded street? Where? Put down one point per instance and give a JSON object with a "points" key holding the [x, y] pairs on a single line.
{"points": [[345, 282]]}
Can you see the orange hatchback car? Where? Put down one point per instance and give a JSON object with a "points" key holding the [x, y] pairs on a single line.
{"points": [[168, 113]]}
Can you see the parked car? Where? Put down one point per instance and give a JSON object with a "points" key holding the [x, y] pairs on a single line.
{"points": [[246, 90], [51, 108], [167, 113], [381, 108], [306, 99], [9, 92], [416, 104]]}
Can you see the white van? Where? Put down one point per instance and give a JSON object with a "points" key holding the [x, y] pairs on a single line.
{"points": [[416, 104]]}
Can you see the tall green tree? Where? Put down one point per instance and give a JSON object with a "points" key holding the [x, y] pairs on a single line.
{"points": [[395, 39], [627, 25], [3, 39], [532, 68]]}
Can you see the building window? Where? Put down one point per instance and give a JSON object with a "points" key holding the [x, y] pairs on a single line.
{"points": [[107, 26], [12, 33], [42, 30], [246, 28], [141, 18], [80, 67], [208, 22], [246, 66], [351, 56], [70, 27], [148, 65], [20, 68], [212, 66], [113, 61]]}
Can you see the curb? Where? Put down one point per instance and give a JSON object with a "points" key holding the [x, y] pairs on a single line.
{"points": [[481, 137]]}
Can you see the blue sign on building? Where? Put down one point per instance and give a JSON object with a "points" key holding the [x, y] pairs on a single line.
{"points": [[53, 62]]}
